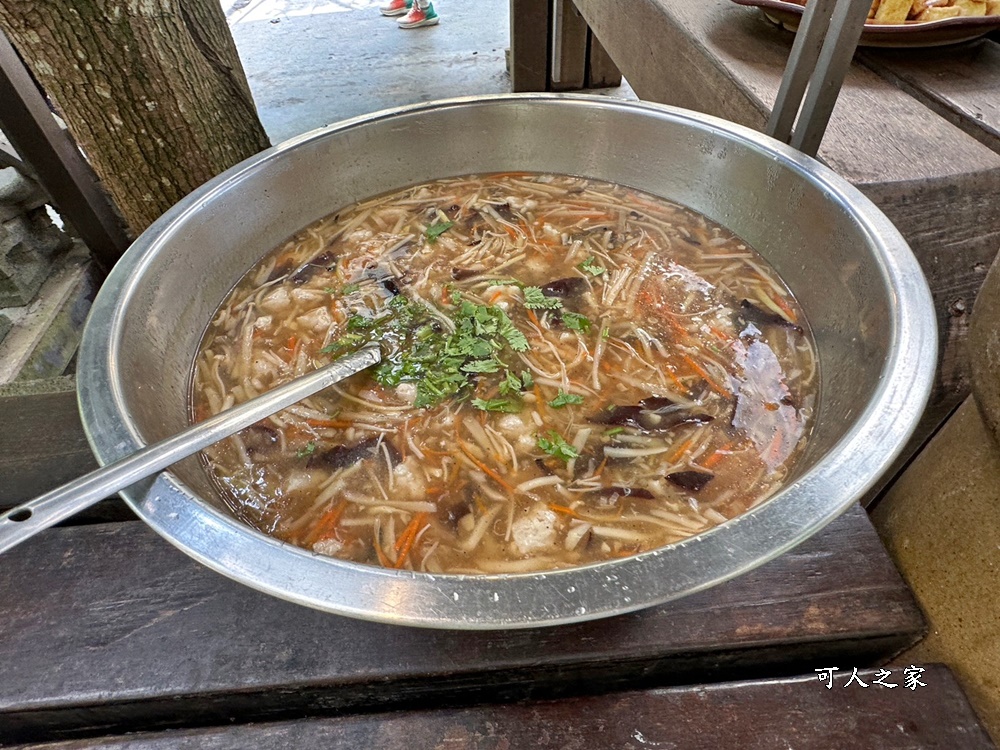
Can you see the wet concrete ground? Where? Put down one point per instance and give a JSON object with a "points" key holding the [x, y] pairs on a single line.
{"points": [[313, 62]]}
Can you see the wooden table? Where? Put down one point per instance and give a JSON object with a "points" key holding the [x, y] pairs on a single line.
{"points": [[107, 629]]}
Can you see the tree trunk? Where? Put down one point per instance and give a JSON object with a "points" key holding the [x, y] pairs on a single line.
{"points": [[152, 90]]}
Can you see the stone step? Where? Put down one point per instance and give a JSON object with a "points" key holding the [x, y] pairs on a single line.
{"points": [[43, 336]]}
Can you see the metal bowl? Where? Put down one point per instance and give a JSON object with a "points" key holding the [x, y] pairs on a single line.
{"points": [[850, 269]]}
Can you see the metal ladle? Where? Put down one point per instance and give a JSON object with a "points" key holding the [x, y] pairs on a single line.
{"points": [[28, 519]]}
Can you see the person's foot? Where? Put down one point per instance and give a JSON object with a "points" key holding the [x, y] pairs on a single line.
{"points": [[419, 17], [396, 7]]}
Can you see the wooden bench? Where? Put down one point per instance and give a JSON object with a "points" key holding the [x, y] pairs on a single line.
{"points": [[107, 628]]}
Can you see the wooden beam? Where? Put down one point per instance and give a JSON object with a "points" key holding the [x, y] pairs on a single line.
{"points": [[529, 45], [794, 712]]}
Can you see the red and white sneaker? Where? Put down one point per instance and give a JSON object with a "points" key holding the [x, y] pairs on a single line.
{"points": [[396, 7], [419, 17]]}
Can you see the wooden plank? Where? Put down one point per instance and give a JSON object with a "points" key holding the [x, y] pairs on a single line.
{"points": [[601, 69], [42, 445], [529, 45], [109, 626], [796, 712], [568, 70], [959, 82], [935, 182]]}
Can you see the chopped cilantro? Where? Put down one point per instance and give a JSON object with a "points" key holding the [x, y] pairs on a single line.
{"points": [[565, 399], [444, 364], [510, 384], [481, 365], [527, 380], [497, 404], [344, 342], [436, 230], [535, 299], [329, 290], [591, 267], [360, 323], [307, 451], [576, 322], [556, 446], [350, 288], [605, 333]]}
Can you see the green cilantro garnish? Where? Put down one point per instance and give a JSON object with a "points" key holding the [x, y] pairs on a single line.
{"points": [[527, 380], [565, 399], [360, 323], [444, 364], [350, 288], [482, 365], [556, 446], [329, 290], [307, 451], [576, 322], [535, 299], [605, 333], [344, 342], [436, 230], [591, 267], [505, 405], [510, 384]]}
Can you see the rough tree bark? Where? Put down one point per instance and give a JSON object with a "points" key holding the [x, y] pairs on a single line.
{"points": [[152, 90]]}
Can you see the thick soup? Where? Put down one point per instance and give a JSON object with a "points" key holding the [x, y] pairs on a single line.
{"points": [[572, 371]]}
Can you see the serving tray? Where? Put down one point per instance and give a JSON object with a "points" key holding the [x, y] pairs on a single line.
{"points": [[929, 34]]}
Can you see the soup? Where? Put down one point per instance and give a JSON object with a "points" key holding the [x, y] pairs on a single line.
{"points": [[573, 371]]}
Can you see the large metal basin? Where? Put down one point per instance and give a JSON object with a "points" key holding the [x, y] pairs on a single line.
{"points": [[851, 270]]}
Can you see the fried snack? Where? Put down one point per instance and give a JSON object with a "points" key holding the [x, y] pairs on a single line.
{"points": [[993, 7], [971, 7], [938, 14], [874, 8], [893, 11]]}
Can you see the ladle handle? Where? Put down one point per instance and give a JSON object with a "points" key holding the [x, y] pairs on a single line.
{"points": [[28, 519]]}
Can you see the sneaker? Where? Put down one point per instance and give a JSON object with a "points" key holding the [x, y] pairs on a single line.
{"points": [[419, 17], [396, 7]]}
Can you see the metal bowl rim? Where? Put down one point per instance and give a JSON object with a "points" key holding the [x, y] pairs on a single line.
{"points": [[790, 516]]}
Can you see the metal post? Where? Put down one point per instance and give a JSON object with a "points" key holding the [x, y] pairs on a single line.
{"points": [[820, 58], [55, 162]]}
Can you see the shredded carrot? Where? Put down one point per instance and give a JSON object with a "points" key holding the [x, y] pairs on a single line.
{"points": [[563, 509], [675, 324], [410, 530], [326, 525], [486, 469], [680, 450], [718, 334], [292, 341], [404, 552], [719, 454], [533, 318], [677, 382], [494, 298], [708, 378], [789, 312], [600, 468]]}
